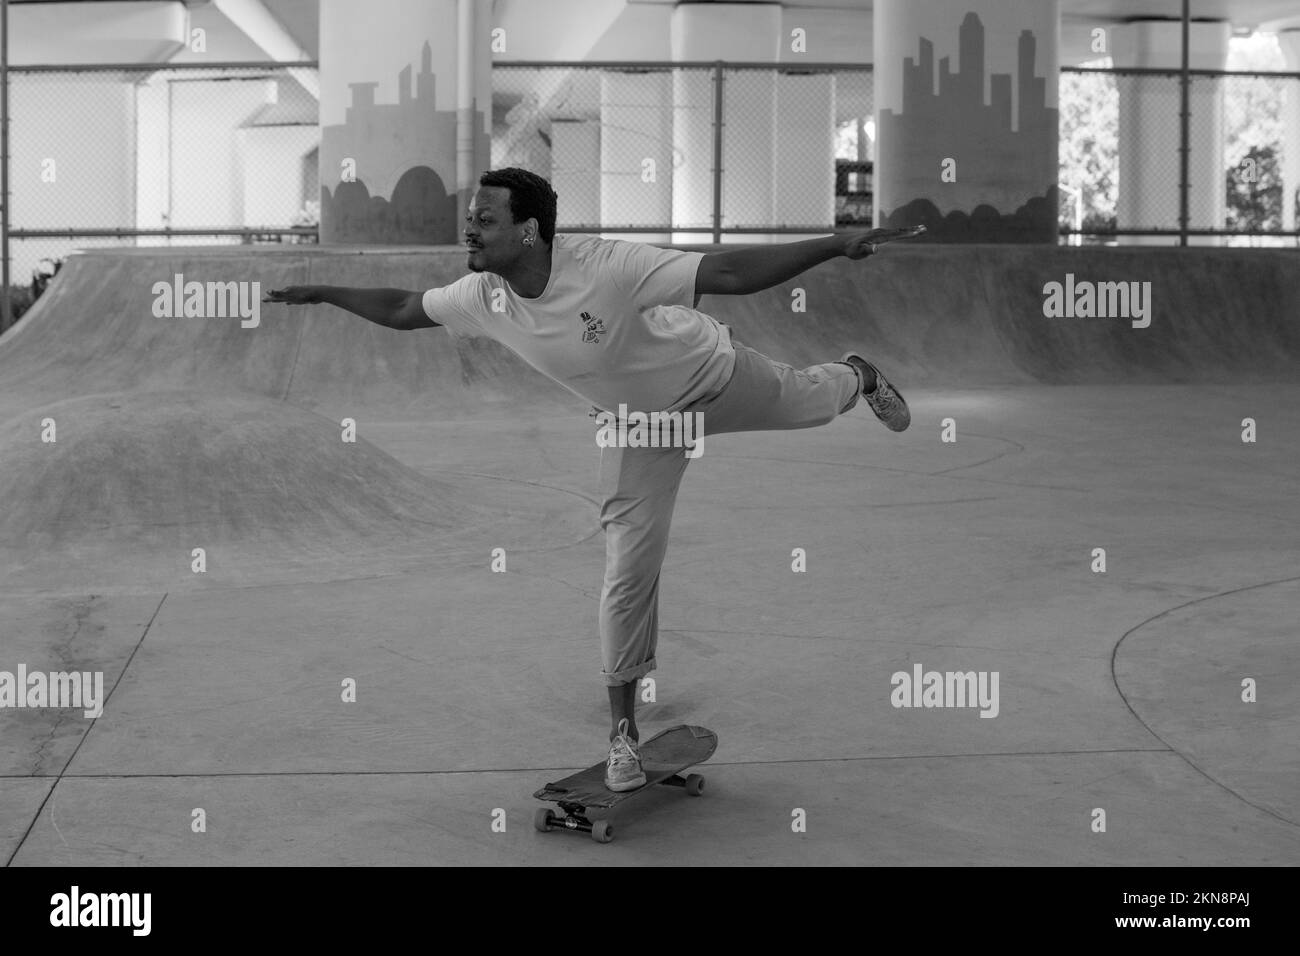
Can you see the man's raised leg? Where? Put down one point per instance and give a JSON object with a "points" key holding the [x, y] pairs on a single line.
{"points": [[765, 394]]}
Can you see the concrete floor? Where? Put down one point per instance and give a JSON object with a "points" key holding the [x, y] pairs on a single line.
{"points": [[1118, 690]]}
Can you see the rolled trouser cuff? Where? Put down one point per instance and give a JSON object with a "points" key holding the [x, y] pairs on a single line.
{"points": [[629, 674]]}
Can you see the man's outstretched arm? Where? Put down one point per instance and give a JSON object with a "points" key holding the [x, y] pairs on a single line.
{"points": [[393, 308], [754, 268]]}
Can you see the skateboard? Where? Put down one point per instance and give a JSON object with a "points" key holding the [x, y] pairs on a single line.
{"points": [[663, 757]]}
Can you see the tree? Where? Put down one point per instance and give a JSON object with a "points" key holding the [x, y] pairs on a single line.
{"points": [[1090, 143], [1255, 191]]}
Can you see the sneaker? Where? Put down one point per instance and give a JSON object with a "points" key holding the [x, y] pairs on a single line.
{"points": [[884, 399], [623, 770]]}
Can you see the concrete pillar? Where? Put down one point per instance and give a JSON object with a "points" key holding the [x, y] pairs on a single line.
{"points": [[636, 152], [389, 118], [1149, 127], [803, 172], [738, 32], [778, 145], [575, 170], [967, 118], [1289, 40]]}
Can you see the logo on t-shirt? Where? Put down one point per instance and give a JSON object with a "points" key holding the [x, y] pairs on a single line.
{"points": [[592, 329]]}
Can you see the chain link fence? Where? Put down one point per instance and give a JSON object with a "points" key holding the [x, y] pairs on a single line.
{"points": [[149, 155], [227, 153], [1122, 156], [682, 151], [691, 151]]}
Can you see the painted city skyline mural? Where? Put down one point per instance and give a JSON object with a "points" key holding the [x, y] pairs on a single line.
{"points": [[406, 149], [971, 169]]}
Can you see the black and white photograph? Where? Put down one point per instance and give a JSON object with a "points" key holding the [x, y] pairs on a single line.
{"points": [[650, 433]]}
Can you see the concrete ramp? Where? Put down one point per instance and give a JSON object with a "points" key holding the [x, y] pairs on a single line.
{"points": [[969, 316], [933, 316], [95, 331], [183, 433], [137, 480], [199, 466]]}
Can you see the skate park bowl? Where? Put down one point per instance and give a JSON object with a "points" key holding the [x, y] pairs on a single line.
{"points": [[341, 582]]}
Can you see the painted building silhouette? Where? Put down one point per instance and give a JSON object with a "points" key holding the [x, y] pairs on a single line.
{"points": [[997, 146], [405, 161]]}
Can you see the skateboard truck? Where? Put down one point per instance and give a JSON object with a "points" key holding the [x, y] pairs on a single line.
{"points": [[602, 831]]}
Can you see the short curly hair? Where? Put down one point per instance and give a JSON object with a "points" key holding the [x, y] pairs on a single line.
{"points": [[531, 197]]}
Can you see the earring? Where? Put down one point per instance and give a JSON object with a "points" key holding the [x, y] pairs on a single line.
{"points": [[528, 240]]}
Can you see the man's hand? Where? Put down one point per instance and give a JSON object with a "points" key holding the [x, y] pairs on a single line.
{"points": [[295, 295], [859, 245]]}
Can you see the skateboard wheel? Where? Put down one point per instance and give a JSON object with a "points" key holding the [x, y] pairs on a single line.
{"points": [[694, 784], [542, 818], [602, 831]]}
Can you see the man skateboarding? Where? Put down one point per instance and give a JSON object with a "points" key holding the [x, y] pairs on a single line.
{"points": [[614, 322]]}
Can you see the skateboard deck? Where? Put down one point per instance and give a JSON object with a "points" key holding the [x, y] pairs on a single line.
{"points": [[663, 757]]}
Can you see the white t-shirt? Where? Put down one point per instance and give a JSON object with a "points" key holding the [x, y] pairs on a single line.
{"points": [[596, 330]]}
